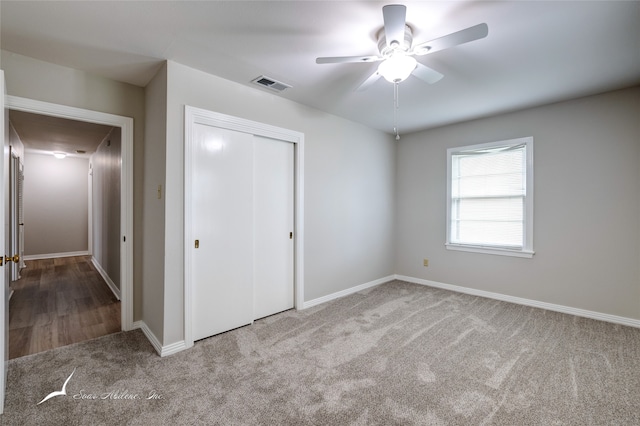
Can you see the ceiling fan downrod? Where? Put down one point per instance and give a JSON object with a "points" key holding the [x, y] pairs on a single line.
{"points": [[395, 110]]}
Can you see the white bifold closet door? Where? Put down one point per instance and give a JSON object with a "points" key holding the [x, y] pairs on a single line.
{"points": [[242, 217]]}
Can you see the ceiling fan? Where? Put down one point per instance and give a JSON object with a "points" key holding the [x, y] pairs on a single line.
{"points": [[397, 53]]}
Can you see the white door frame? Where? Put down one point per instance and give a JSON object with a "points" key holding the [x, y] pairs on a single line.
{"points": [[193, 116], [126, 188], [90, 207], [4, 271], [14, 217]]}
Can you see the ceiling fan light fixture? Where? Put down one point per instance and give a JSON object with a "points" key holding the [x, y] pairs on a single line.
{"points": [[397, 68]]}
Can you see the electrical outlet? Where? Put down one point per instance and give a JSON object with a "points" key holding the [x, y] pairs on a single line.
{"points": [[425, 262]]}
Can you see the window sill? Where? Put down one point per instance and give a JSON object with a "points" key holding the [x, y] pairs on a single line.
{"points": [[491, 250]]}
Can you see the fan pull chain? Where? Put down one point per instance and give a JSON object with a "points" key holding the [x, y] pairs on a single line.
{"points": [[395, 110]]}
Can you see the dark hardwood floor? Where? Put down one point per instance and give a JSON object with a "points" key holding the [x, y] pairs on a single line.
{"points": [[58, 302]]}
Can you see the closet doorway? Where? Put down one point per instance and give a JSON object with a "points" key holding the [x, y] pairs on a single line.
{"points": [[243, 222]]}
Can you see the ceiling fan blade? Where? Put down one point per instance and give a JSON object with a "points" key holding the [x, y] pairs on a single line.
{"points": [[395, 16], [368, 82], [347, 59], [426, 74], [460, 37]]}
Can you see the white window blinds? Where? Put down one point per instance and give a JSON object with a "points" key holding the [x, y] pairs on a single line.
{"points": [[488, 195]]}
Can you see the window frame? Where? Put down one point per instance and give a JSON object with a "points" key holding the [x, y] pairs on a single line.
{"points": [[527, 246]]}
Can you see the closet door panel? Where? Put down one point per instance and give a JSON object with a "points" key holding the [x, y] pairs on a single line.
{"points": [[273, 226], [222, 220]]}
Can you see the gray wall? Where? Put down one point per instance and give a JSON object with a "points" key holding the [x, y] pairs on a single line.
{"points": [[33, 79], [55, 204], [106, 167], [587, 205], [349, 188], [153, 259]]}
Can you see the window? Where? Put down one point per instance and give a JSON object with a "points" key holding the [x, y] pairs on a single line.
{"points": [[490, 198]]}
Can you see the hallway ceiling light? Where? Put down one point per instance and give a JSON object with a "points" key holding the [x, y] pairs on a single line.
{"points": [[59, 155]]}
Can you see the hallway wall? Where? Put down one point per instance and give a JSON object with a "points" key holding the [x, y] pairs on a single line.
{"points": [[105, 169], [55, 205]]}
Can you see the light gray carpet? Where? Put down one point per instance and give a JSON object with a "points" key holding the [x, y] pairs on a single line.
{"points": [[398, 354]]}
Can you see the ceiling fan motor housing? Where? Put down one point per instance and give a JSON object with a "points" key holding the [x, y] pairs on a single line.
{"points": [[387, 51]]}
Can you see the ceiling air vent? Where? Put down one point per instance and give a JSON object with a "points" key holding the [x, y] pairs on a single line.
{"points": [[270, 83]]}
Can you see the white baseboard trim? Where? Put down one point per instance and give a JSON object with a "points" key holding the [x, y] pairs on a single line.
{"points": [[173, 348], [55, 255], [114, 289], [346, 292], [161, 350], [149, 335], [527, 302]]}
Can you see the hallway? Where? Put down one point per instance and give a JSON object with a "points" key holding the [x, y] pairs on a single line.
{"points": [[58, 302]]}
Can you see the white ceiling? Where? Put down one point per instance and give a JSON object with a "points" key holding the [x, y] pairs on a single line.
{"points": [[536, 51], [46, 134]]}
